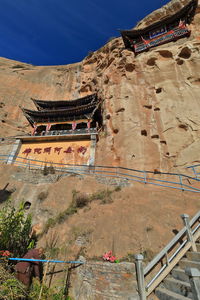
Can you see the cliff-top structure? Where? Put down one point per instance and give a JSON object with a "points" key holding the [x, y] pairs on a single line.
{"points": [[169, 28]]}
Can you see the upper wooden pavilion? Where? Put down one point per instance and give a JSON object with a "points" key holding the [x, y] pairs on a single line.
{"points": [[163, 31]]}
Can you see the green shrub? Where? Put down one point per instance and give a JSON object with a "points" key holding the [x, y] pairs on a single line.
{"points": [[51, 249], [10, 287], [51, 222], [118, 188], [48, 170], [61, 217], [45, 171], [80, 200], [103, 195], [47, 293], [51, 170], [15, 229]]}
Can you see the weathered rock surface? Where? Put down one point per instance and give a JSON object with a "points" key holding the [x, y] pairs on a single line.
{"points": [[151, 107], [150, 102], [104, 281], [151, 113]]}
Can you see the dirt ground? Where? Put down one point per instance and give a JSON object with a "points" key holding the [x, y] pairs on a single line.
{"points": [[137, 218]]}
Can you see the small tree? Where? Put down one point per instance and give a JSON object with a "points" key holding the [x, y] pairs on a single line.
{"points": [[15, 228]]}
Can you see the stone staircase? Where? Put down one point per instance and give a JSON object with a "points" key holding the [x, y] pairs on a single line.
{"points": [[176, 286]]}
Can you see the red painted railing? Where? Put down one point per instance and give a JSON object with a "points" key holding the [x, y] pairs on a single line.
{"points": [[161, 39]]}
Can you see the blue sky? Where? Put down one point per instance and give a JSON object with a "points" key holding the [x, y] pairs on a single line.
{"points": [[55, 32]]}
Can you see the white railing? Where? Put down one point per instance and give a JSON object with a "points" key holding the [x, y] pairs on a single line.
{"points": [[153, 274]]}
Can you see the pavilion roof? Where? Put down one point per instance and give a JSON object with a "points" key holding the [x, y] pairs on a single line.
{"points": [[185, 13], [63, 104], [59, 115]]}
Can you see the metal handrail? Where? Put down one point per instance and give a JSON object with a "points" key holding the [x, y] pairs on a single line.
{"points": [[193, 166], [164, 253], [46, 260], [98, 166], [171, 244], [68, 132], [165, 265], [110, 171]]}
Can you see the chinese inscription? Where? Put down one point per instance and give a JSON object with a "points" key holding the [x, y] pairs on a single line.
{"points": [[57, 150]]}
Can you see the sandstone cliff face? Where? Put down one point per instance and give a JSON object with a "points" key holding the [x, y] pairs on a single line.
{"points": [[150, 102], [151, 120]]}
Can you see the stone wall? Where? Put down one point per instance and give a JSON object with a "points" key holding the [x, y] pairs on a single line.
{"points": [[104, 281], [6, 146]]}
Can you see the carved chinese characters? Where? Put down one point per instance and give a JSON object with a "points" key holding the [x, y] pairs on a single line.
{"points": [[56, 150]]}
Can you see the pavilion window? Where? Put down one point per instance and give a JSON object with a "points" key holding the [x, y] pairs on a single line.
{"points": [[157, 32]]}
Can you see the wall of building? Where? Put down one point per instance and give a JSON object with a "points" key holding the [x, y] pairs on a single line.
{"points": [[62, 152]]}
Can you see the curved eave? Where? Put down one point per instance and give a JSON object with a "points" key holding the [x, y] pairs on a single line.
{"points": [[27, 116], [47, 105], [187, 11], [83, 112]]}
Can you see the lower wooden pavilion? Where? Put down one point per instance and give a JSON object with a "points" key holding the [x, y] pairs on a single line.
{"points": [[82, 113]]}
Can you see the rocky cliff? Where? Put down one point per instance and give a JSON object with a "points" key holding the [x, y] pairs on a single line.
{"points": [[150, 102], [151, 120]]}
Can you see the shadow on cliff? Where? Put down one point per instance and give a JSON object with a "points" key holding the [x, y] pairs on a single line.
{"points": [[5, 193]]}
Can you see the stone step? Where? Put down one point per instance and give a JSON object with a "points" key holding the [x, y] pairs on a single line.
{"points": [[164, 294], [179, 274], [195, 256], [184, 263], [178, 286], [198, 247]]}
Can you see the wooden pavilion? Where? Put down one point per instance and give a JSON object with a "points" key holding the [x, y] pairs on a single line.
{"points": [[164, 31], [64, 132], [82, 113]]}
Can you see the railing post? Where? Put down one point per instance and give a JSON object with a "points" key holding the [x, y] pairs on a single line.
{"points": [[140, 276], [145, 177], [117, 170], [186, 222], [92, 170], [167, 259], [194, 276], [195, 173], [181, 182]]}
